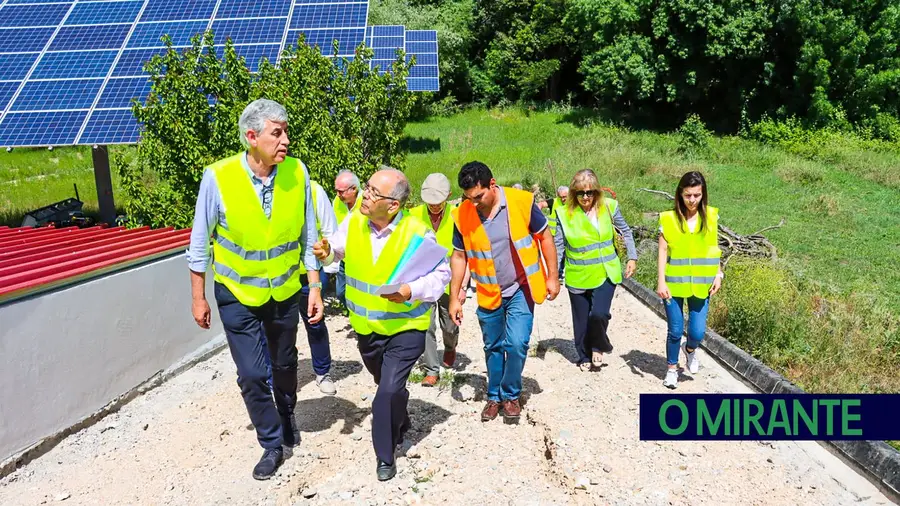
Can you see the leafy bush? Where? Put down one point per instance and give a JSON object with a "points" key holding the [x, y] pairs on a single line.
{"points": [[693, 135], [760, 310], [341, 115]]}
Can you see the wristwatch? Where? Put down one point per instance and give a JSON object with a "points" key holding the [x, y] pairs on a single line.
{"points": [[317, 284]]}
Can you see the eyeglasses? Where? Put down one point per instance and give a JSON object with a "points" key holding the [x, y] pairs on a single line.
{"points": [[585, 193], [366, 188], [345, 190]]}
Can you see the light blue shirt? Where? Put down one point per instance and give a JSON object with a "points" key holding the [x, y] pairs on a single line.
{"points": [[209, 214]]}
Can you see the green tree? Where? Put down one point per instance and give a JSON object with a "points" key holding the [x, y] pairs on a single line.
{"points": [[341, 115]]}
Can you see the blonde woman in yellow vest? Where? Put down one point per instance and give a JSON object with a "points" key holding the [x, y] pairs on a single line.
{"points": [[346, 200], [688, 269], [500, 235], [390, 327], [436, 212], [586, 234], [257, 208]]}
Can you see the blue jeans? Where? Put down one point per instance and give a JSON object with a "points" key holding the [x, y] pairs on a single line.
{"points": [[697, 309], [506, 332]]}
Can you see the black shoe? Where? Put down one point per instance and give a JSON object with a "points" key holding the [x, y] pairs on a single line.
{"points": [[268, 464], [289, 432], [386, 471]]}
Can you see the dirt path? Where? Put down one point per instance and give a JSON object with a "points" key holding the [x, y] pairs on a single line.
{"points": [[187, 442]]}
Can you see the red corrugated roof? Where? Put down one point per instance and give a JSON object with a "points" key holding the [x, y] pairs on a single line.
{"points": [[37, 259]]}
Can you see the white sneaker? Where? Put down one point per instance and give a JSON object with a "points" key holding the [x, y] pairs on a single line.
{"points": [[693, 363], [671, 380], [325, 384]]}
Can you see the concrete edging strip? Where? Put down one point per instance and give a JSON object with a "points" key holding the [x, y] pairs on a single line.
{"points": [[205, 352], [878, 461]]}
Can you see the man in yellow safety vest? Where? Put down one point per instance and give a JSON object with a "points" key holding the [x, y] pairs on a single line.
{"points": [[390, 327], [346, 200], [257, 208]]}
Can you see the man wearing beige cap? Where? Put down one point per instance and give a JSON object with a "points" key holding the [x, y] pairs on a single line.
{"points": [[435, 212]]}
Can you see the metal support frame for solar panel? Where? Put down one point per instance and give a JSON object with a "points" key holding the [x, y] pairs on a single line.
{"points": [[424, 75], [75, 89], [385, 40]]}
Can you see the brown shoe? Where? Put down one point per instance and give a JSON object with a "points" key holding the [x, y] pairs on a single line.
{"points": [[490, 411], [511, 409], [449, 358], [429, 381]]}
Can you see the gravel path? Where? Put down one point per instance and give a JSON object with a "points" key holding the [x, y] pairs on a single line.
{"points": [[188, 442]]}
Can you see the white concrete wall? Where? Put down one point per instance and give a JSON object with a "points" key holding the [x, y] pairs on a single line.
{"points": [[67, 353]]}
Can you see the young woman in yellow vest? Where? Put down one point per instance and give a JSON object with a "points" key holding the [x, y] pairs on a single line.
{"points": [[586, 234], [688, 269]]}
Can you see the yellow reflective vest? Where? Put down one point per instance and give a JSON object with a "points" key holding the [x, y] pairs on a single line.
{"points": [[444, 232], [590, 251], [552, 222], [258, 258], [369, 312], [693, 260], [340, 209]]}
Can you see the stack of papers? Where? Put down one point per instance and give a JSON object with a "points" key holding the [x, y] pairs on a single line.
{"points": [[419, 258]]}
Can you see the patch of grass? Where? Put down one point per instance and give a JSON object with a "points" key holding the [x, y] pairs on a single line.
{"points": [[34, 178]]}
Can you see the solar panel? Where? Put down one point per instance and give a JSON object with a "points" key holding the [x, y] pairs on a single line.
{"points": [[385, 40], [423, 76], [70, 68]]}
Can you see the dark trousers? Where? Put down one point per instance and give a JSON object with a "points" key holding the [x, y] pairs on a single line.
{"points": [[250, 331], [316, 334], [390, 359], [590, 320]]}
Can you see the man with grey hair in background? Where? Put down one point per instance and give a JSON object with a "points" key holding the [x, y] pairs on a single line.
{"points": [[257, 207], [346, 200], [390, 327]]}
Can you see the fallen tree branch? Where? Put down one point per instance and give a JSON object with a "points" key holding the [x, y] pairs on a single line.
{"points": [[657, 192]]}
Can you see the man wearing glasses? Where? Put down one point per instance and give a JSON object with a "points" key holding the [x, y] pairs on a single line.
{"points": [[257, 208], [346, 200], [390, 328], [500, 236]]}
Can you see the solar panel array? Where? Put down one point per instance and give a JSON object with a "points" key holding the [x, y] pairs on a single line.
{"points": [[69, 68], [423, 76]]}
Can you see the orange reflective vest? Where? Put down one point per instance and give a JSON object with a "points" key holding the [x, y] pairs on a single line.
{"points": [[478, 248]]}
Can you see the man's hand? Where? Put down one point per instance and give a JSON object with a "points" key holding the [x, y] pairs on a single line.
{"points": [[200, 310], [455, 310], [401, 296], [461, 296], [321, 250], [315, 308], [552, 288], [630, 267]]}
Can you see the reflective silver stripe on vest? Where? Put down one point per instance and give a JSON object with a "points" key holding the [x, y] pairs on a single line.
{"points": [[485, 280], [703, 280], [257, 254], [693, 261], [591, 247], [228, 272], [362, 286], [483, 255], [525, 242], [592, 261], [532, 269], [385, 315]]}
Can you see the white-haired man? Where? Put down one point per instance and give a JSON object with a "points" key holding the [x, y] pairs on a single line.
{"points": [[257, 206], [391, 327], [346, 200]]}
